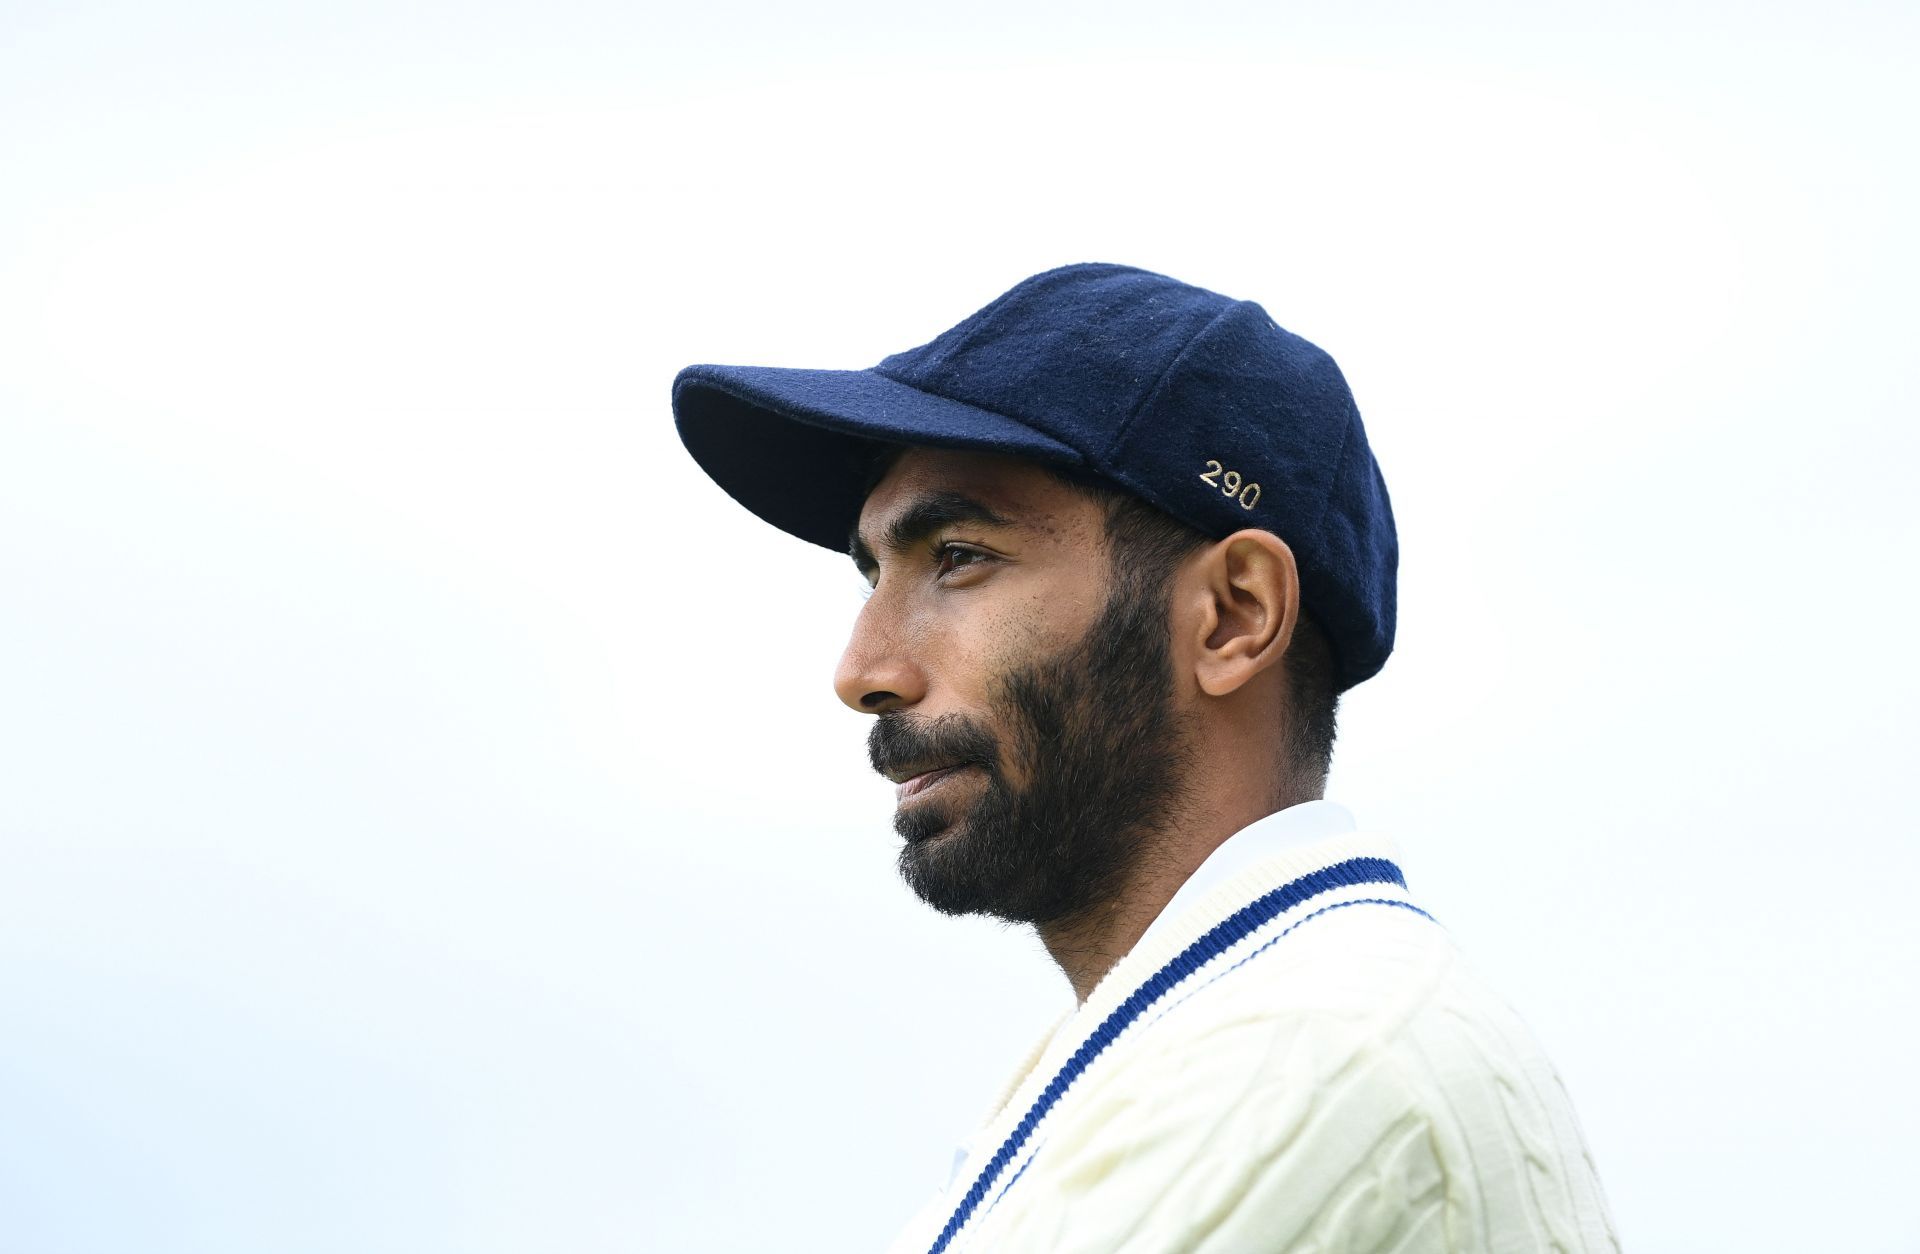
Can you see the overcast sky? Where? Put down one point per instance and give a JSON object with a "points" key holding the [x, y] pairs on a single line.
{"points": [[426, 823]]}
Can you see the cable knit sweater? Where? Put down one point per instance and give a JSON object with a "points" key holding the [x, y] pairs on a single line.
{"points": [[1299, 1061]]}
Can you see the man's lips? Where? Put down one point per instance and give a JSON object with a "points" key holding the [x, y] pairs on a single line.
{"points": [[924, 780]]}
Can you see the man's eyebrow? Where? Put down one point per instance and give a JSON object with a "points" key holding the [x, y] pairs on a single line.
{"points": [[921, 519]]}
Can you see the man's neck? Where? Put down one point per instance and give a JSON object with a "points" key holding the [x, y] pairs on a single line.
{"points": [[1086, 945]]}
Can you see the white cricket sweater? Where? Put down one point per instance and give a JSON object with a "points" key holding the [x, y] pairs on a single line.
{"points": [[1299, 1060]]}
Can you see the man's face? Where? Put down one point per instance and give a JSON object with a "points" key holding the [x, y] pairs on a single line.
{"points": [[1023, 687]]}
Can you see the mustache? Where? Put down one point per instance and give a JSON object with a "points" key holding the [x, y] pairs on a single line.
{"points": [[898, 741]]}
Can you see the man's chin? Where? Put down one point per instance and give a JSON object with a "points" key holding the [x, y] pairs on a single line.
{"points": [[924, 825], [935, 864]]}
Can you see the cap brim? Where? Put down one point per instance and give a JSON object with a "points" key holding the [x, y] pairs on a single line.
{"points": [[797, 446]]}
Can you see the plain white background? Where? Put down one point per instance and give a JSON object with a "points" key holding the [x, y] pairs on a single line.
{"points": [[427, 822]]}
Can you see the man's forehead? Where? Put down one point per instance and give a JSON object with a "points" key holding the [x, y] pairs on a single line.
{"points": [[1018, 490]]}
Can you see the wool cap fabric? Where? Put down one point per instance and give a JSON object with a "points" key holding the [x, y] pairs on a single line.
{"points": [[1199, 404]]}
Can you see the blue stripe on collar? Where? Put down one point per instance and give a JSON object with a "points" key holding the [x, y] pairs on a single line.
{"points": [[1222, 937]]}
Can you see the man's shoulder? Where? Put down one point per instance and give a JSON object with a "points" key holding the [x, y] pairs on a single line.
{"points": [[1326, 934], [1374, 982], [1358, 979]]}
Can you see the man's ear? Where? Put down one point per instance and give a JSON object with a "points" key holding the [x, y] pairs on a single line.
{"points": [[1251, 591]]}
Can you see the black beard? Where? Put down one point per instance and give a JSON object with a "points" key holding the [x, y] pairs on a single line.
{"points": [[1093, 731]]}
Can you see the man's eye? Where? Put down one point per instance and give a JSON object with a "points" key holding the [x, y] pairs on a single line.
{"points": [[948, 558]]}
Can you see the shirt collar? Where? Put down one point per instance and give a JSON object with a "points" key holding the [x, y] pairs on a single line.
{"points": [[1301, 824]]}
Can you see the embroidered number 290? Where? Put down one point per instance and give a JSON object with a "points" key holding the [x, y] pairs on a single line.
{"points": [[1228, 481]]}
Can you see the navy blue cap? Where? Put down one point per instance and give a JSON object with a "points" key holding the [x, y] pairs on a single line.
{"points": [[1198, 404]]}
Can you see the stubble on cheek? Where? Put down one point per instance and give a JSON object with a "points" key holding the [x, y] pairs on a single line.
{"points": [[1019, 638]]}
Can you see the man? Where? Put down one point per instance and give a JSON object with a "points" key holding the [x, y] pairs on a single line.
{"points": [[1127, 545]]}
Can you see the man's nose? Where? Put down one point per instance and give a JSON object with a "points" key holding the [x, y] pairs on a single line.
{"points": [[875, 672]]}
